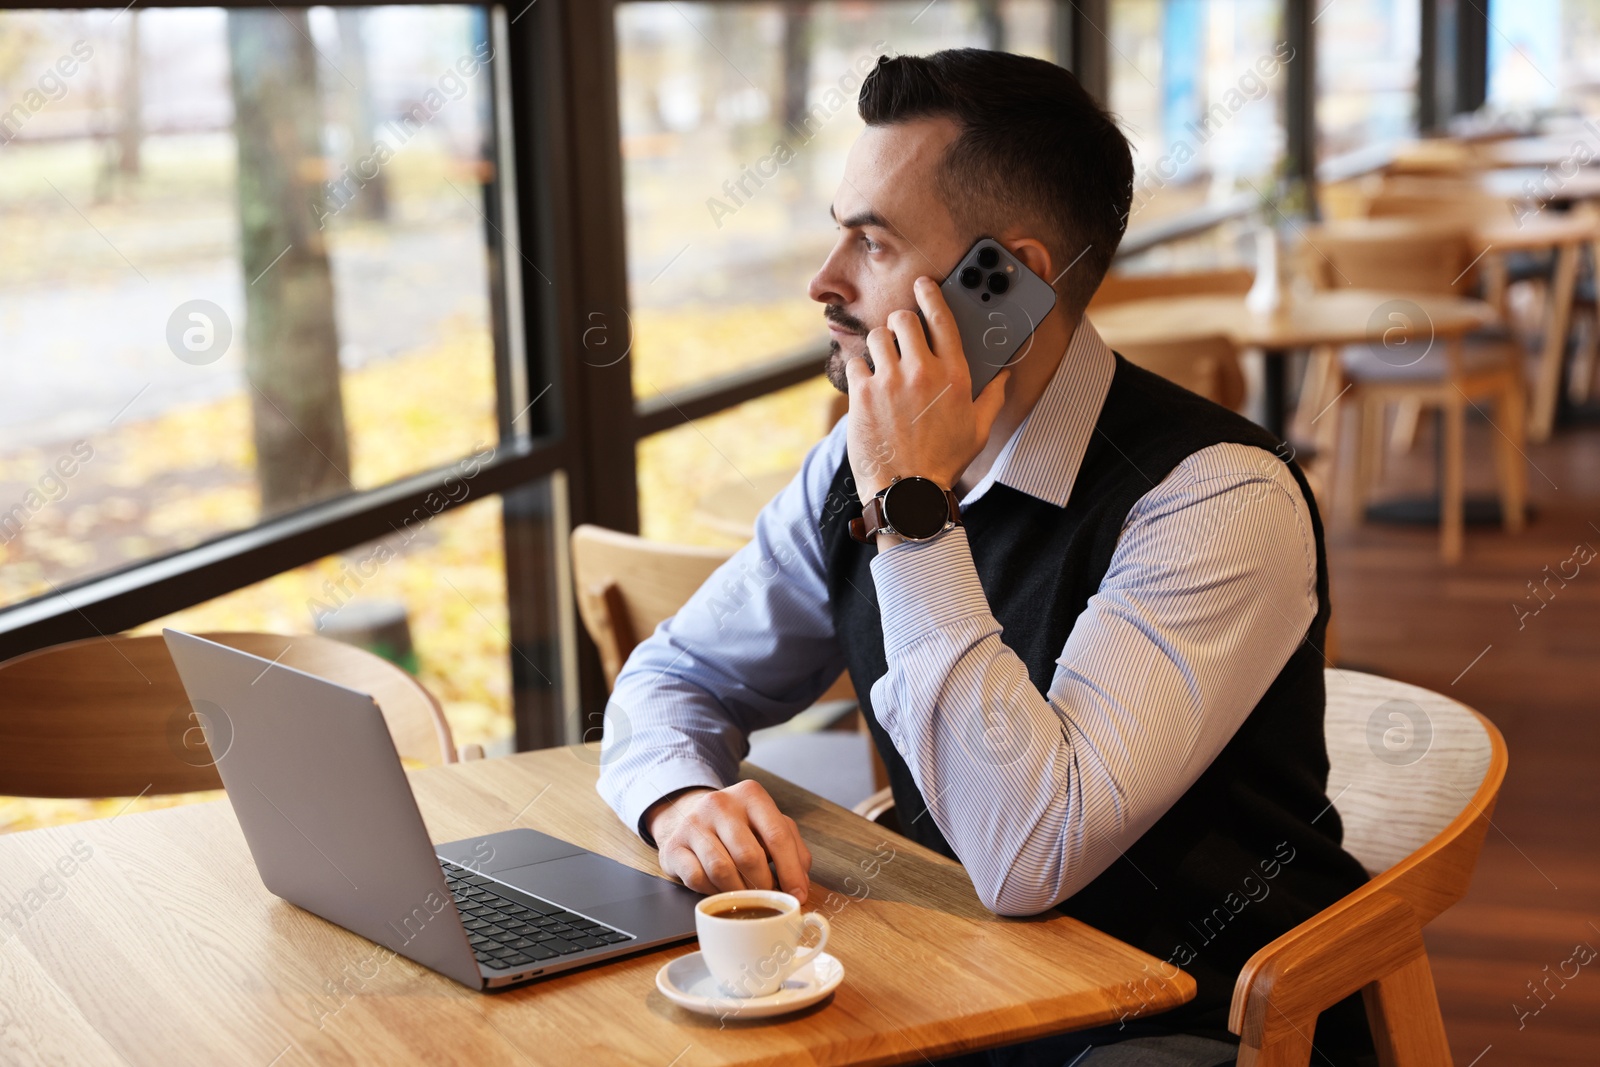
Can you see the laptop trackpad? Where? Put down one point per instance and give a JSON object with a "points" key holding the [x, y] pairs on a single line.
{"points": [[584, 881]]}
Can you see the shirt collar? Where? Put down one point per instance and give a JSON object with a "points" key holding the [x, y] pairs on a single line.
{"points": [[1044, 453]]}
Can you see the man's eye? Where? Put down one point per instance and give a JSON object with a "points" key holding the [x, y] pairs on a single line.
{"points": [[872, 246]]}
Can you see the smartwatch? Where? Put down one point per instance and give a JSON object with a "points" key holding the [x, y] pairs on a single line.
{"points": [[917, 509]]}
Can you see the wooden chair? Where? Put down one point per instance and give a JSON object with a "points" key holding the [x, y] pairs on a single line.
{"points": [[1465, 203], [1438, 156], [628, 586], [1416, 825], [1414, 777], [1209, 367], [108, 716], [1406, 256], [1119, 287]]}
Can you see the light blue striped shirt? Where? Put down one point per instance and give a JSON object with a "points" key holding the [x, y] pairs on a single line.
{"points": [[1210, 589]]}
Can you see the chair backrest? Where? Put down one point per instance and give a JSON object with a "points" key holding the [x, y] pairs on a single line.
{"points": [[1405, 763], [1397, 254], [1119, 287], [626, 586], [1463, 202], [1414, 776], [1209, 366], [1439, 155], [108, 716]]}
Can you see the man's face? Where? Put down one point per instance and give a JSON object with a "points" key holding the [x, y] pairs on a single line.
{"points": [[892, 228]]}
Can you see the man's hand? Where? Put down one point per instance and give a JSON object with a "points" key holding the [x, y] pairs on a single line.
{"points": [[913, 414], [716, 840]]}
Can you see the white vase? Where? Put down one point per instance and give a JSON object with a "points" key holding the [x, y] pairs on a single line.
{"points": [[1266, 295]]}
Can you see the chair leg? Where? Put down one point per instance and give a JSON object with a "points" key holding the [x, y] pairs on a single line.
{"points": [[1403, 1013], [1547, 390], [1452, 493], [1321, 368], [1292, 1050], [1509, 442], [1369, 454], [1403, 438], [1588, 348]]}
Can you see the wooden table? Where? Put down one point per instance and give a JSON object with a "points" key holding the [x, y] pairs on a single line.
{"points": [[162, 947], [1546, 187], [1336, 317], [1547, 150]]}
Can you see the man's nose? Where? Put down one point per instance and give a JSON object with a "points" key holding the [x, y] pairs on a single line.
{"points": [[829, 286]]}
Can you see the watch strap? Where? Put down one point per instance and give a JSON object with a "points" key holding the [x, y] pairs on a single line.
{"points": [[872, 521]]}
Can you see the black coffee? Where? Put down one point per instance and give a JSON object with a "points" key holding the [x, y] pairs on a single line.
{"points": [[746, 911]]}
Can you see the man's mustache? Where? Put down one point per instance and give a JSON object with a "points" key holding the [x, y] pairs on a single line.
{"points": [[843, 319]]}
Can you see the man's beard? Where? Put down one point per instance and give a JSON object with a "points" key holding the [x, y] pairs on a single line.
{"points": [[834, 368]]}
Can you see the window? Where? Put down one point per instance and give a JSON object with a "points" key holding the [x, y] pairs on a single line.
{"points": [[261, 301], [1199, 87], [1367, 55], [1544, 53], [245, 271]]}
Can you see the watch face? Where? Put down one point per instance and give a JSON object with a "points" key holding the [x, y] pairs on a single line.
{"points": [[916, 508]]}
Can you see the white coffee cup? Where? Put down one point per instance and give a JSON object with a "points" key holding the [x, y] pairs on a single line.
{"points": [[750, 957]]}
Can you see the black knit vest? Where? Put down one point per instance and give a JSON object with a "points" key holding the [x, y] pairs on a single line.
{"points": [[1253, 847]]}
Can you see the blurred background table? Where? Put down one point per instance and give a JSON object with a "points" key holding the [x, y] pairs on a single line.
{"points": [[1331, 317]]}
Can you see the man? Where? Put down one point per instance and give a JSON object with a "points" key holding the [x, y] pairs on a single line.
{"points": [[1102, 688]]}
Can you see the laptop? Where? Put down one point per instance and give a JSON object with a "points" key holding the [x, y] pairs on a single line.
{"points": [[332, 825]]}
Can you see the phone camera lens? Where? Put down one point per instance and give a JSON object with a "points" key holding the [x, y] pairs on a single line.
{"points": [[988, 257], [998, 282], [972, 277]]}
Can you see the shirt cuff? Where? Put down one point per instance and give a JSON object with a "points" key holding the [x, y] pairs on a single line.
{"points": [[659, 780], [925, 586]]}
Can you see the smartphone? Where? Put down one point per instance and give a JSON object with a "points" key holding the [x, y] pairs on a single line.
{"points": [[997, 303]]}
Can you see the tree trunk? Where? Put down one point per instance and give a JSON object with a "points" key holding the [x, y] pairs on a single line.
{"points": [[292, 342], [372, 194], [796, 63], [130, 129]]}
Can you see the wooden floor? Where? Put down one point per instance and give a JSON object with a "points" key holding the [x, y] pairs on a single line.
{"points": [[1536, 894]]}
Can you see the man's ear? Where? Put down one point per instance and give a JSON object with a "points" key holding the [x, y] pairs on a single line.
{"points": [[1034, 255]]}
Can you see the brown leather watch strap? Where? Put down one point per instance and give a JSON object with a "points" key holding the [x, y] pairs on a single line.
{"points": [[865, 529], [872, 520]]}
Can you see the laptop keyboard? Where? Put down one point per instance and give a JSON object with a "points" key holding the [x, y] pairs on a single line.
{"points": [[509, 928]]}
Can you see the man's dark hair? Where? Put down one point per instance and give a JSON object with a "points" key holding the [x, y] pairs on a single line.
{"points": [[1034, 147]]}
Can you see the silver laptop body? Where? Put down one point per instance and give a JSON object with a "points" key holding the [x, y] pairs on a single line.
{"points": [[331, 822]]}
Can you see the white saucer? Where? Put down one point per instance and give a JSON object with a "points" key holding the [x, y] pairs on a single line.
{"points": [[687, 982]]}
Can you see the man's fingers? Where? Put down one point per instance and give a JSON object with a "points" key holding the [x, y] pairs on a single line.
{"points": [[745, 850], [682, 862], [913, 342], [782, 842], [721, 872], [942, 329], [885, 356]]}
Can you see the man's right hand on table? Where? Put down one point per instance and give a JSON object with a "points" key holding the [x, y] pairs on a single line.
{"points": [[716, 840]]}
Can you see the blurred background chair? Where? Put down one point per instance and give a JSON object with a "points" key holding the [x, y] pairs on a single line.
{"points": [[627, 586], [1210, 367], [108, 716], [1405, 255]]}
